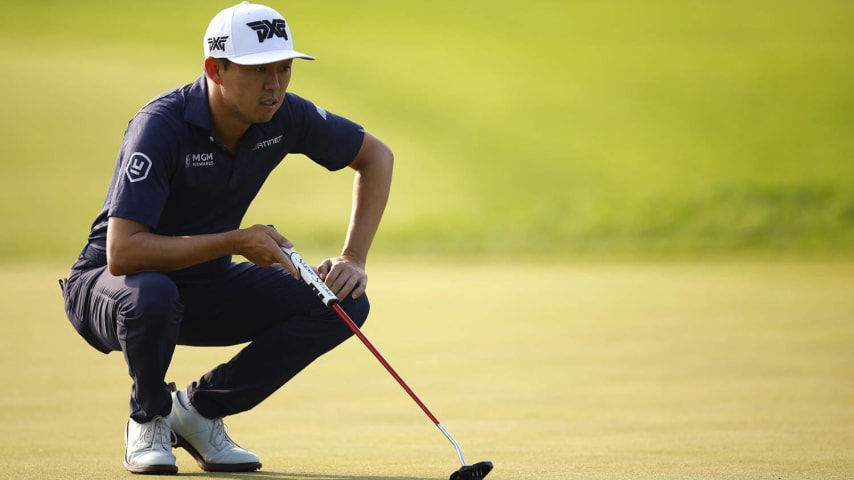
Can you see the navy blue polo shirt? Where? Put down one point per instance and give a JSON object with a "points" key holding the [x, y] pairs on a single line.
{"points": [[172, 175]]}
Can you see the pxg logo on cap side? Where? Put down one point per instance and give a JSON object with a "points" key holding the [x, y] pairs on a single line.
{"points": [[217, 43], [267, 29], [138, 167]]}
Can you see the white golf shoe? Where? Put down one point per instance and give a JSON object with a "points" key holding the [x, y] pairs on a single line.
{"points": [[207, 440], [149, 447]]}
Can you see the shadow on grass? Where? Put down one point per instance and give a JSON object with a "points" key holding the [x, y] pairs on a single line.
{"points": [[261, 475]]}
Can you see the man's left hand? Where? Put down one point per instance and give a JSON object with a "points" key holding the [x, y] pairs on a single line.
{"points": [[344, 275]]}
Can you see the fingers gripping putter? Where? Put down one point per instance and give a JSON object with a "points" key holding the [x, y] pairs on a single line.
{"points": [[467, 472]]}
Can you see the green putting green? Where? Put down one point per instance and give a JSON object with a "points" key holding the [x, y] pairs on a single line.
{"points": [[608, 371]]}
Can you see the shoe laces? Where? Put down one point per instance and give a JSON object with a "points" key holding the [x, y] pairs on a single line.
{"points": [[219, 435], [157, 434]]}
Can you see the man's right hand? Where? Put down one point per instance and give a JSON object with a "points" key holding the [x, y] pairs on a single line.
{"points": [[262, 245]]}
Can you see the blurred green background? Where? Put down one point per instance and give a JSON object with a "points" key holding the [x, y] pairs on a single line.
{"points": [[558, 128]]}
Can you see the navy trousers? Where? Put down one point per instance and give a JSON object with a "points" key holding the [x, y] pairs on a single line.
{"points": [[147, 314]]}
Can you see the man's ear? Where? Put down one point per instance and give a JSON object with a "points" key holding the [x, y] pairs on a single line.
{"points": [[212, 70]]}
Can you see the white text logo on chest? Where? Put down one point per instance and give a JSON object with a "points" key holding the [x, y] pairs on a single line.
{"points": [[267, 143], [199, 160]]}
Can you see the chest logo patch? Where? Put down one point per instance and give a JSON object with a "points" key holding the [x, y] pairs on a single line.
{"points": [[199, 160], [138, 167], [267, 143]]}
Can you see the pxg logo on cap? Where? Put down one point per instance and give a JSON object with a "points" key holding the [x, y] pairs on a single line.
{"points": [[250, 34], [269, 28]]}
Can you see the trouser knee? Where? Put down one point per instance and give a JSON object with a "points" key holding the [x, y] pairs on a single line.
{"points": [[357, 309]]}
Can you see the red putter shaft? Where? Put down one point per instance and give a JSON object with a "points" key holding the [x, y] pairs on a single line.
{"points": [[358, 332], [382, 360]]}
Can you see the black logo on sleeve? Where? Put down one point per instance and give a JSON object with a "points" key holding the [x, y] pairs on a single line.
{"points": [[217, 43], [267, 29]]}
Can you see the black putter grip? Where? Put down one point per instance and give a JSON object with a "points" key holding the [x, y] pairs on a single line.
{"points": [[311, 277]]}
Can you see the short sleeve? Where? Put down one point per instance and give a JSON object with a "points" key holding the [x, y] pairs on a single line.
{"points": [[146, 158], [328, 139]]}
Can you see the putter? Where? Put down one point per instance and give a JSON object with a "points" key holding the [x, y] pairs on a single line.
{"points": [[476, 471]]}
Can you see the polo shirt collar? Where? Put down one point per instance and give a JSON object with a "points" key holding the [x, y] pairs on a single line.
{"points": [[198, 111]]}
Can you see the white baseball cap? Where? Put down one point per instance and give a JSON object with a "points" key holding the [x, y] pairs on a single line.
{"points": [[250, 34]]}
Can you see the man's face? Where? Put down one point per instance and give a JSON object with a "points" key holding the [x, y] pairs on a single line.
{"points": [[253, 93]]}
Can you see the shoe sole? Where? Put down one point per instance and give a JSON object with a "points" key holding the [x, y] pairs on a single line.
{"points": [[215, 467], [152, 469]]}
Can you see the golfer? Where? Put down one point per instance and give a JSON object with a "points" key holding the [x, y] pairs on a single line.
{"points": [[157, 269]]}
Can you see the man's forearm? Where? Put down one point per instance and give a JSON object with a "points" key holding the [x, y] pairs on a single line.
{"points": [[145, 251], [371, 189]]}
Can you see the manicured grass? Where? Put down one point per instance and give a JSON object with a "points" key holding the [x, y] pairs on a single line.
{"points": [[587, 371]]}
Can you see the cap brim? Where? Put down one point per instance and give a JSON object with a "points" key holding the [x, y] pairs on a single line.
{"points": [[269, 57]]}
